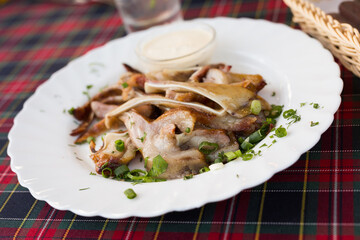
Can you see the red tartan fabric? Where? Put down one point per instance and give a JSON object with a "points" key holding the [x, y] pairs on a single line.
{"points": [[317, 198]]}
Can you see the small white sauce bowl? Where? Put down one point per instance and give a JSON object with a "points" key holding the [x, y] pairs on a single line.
{"points": [[198, 56]]}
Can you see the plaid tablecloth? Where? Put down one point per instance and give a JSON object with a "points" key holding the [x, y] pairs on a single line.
{"points": [[316, 198]]}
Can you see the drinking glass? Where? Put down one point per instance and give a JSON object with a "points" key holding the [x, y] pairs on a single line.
{"points": [[141, 14]]}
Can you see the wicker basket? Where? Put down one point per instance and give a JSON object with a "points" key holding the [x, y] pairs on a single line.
{"points": [[341, 39]]}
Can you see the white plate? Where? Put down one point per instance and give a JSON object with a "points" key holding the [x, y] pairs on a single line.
{"points": [[295, 66]]}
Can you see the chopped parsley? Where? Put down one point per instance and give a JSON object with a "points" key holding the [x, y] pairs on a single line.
{"points": [[142, 139], [82, 189], [71, 111], [313, 124], [273, 94], [125, 85], [280, 132]]}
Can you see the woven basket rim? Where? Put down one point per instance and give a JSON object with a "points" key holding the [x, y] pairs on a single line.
{"points": [[346, 30]]}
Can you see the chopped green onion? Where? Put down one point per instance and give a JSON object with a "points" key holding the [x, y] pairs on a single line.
{"points": [[280, 132], [129, 193], [121, 170], [208, 147], [302, 104], [241, 140], [120, 145], [89, 139], [106, 172], [91, 173], [247, 156], [256, 137], [146, 161], [289, 113], [271, 121], [89, 86], [204, 169], [230, 155], [137, 174], [187, 130], [187, 177], [238, 153], [82, 189], [275, 111], [316, 105], [246, 145], [273, 94], [255, 107], [125, 85], [159, 166]]}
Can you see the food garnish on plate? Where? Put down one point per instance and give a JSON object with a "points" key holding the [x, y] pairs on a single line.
{"points": [[180, 121]]}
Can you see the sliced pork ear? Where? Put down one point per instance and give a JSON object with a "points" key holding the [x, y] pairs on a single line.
{"points": [[100, 109], [82, 113], [226, 142], [157, 100], [233, 99], [178, 75], [158, 137], [97, 129], [130, 68], [110, 155]]}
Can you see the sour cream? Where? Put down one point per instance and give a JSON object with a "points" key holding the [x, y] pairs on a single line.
{"points": [[177, 46]]}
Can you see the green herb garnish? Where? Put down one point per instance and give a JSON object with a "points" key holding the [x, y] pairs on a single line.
{"points": [[142, 139], [125, 85], [71, 111], [275, 111], [313, 124], [230, 156], [187, 177], [89, 139], [129, 193], [255, 107], [247, 156], [121, 170], [280, 132], [187, 130], [119, 145], [208, 147], [106, 172], [316, 106], [159, 166], [204, 169]]}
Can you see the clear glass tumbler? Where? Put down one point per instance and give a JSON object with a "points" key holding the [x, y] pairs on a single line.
{"points": [[141, 14]]}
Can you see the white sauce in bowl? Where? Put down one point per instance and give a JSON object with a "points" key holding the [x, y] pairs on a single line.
{"points": [[180, 45], [176, 44]]}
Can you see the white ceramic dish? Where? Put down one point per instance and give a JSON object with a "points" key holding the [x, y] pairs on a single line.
{"points": [[295, 66]]}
